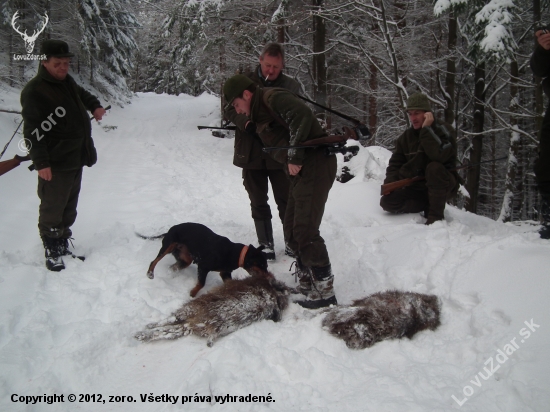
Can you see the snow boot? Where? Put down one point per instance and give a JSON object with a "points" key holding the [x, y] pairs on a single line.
{"points": [[303, 274], [64, 248], [290, 252], [321, 294], [544, 231], [264, 231], [53, 248], [436, 208]]}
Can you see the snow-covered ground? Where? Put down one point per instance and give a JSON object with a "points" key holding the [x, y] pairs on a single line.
{"points": [[72, 332]]}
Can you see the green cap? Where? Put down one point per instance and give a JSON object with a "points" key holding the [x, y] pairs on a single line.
{"points": [[418, 101], [234, 86], [55, 48]]}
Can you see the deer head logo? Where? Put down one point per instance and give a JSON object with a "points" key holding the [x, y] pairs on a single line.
{"points": [[29, 40]]}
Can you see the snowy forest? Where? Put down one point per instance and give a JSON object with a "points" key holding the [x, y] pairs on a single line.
{"points": [[360, 57]]}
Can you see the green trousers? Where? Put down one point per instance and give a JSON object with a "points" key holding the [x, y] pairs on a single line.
{"points": [[58, 201], [306, 204]]}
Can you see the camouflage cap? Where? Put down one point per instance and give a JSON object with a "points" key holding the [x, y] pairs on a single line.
{"points": [[55, 48], [418, 101], [234, 87]]}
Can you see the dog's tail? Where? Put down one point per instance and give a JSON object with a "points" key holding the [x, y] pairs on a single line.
{"points": [[150, 237]]}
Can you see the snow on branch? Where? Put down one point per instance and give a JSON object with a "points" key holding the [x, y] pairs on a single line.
{"points": [[497, 14], [441, 6]]}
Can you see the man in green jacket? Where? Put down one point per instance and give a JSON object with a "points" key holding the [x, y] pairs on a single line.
{"points": [[540, 64], [429, 148], [282, 119], [58, 134], [258, 167]]}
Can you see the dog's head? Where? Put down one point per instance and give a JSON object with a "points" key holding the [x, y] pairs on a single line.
{"points": [[255, 262]]}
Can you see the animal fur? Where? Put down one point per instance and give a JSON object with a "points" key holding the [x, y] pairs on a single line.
{"points": [[225, 309], [195, 243], [384, 315]]}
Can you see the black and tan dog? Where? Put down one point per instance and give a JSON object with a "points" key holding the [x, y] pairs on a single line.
{"points": [[193, 242]]}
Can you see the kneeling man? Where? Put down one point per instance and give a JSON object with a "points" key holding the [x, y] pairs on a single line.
{"points": [[428, 148]]}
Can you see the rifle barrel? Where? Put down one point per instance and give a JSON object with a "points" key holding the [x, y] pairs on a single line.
{"points": [[217, 128]]}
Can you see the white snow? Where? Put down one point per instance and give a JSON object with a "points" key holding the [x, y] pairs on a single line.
{"points": [[72, 332]]}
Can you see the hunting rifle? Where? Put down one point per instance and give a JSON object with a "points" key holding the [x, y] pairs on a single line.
{"points": [[8, 165], [217, 128], [333, 144], [387, 188]]}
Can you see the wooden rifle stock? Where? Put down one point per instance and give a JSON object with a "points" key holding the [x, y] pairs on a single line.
{"points": [[8, 165], [387, 188], [390, 187]]}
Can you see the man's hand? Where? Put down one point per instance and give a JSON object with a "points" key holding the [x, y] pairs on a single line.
{"points": [[428, 119], [45, 173], [293, 170], [99, 113], [543, 38]]}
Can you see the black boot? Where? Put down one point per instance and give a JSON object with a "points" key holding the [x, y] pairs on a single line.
{"points": [[264, 231], [322, 291], [53, 248], [544, 231], [436, 208]]}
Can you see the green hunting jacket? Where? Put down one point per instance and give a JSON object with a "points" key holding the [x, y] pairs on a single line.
{"points": [[60, 141], [414, 149], [540, 64], [248, 149], [282, 119]]}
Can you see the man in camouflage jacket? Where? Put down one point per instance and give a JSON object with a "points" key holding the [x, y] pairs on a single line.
{"points": [[58, 134], [429, 148], [282, 119], [258, 167], [540, 64]]}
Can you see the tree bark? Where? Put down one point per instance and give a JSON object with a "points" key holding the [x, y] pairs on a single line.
{"points": [[507, 210], [319, 56], [451, 72], [474, 173]]}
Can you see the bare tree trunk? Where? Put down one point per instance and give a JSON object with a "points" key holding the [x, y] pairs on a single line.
{"points": [[451, 72], [391, 52], [373, 109], [222, 72], [539, 98], [281, 31], [474, 173], [319, 57], [506, 212]]}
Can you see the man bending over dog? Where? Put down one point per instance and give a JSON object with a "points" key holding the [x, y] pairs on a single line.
{"points": [[258, 167], [281, 120], [428, 147]]}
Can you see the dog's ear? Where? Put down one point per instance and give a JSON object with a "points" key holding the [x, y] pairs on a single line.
{"points": [[259, 248]]}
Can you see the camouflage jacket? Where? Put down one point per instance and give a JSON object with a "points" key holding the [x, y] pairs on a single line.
{"points": [[248, 149]]}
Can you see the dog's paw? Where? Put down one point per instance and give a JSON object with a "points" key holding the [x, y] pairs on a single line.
{"points": [[150, 275]]}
